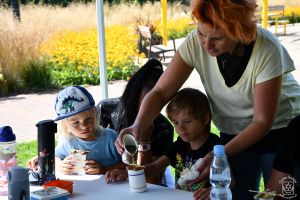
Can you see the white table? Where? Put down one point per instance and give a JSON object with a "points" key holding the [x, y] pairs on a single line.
{"points": [[92, 187]]}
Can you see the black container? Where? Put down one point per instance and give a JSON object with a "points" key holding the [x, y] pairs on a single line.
{"points": [[46, 148]]}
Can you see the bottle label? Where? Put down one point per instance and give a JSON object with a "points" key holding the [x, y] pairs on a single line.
{"points": [[4, 166], [8, 147]]}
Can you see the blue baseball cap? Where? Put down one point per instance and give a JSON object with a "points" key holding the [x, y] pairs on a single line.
{"points": [[71, 101], [6, 134]]}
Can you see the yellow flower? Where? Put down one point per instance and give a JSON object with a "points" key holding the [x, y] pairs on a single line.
{"points": [[81, 48]]}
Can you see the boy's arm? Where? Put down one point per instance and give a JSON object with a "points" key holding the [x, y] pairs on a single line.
{"points": [[153, 176], [153, 168], [119, 165], [93, 167]]}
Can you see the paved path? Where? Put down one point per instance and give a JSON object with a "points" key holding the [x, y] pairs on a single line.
{"points": [[22, 112]]}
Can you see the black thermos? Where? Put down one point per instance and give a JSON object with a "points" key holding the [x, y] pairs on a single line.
{"points": [[46, 148]]}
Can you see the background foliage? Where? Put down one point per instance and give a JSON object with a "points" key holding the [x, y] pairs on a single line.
{"points": [[65, 52], [58, 45]]}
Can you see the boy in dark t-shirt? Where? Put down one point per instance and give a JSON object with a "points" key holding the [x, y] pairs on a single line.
{"points": [[183, 157], [189, 111], [190, 114]]}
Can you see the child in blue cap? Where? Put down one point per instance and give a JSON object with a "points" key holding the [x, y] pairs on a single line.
{"points": [[80, 130]]}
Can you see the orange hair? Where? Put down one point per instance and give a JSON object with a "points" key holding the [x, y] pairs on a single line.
{"points": [[235, 17]]}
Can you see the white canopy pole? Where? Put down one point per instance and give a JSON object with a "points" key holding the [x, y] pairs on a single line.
{"points": [[101, 49]]}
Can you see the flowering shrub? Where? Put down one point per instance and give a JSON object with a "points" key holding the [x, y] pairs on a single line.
{"points": [[74, 55], [177, 28], [180, 27]]}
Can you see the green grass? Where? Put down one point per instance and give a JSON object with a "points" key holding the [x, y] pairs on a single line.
{"points": [[26, 150]]}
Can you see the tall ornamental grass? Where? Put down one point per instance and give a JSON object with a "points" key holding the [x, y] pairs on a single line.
{"points": [[20, 42]]}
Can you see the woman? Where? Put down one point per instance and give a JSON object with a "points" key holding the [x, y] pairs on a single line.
{"points": [[246, 75]]}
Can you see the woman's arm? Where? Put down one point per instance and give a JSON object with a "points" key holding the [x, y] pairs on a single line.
{"points": [[169, 83], [266, 100]]}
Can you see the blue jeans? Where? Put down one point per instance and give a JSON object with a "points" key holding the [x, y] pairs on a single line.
{"points": [[247, 168]]}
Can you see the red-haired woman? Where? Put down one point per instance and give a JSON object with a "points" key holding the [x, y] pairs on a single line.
{"points": [[246, 75]]}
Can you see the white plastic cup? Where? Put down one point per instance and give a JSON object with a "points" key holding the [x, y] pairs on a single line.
{"points": [[137, 180], [79, 163], [130, 149]]}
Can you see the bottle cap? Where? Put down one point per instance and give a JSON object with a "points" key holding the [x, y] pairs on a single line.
{"points": [[18, 174], [6, 134], [46, 126], [219, 149]]}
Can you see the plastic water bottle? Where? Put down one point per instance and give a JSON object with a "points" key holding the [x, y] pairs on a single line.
{"points": [[219, 176], [8, 152]]}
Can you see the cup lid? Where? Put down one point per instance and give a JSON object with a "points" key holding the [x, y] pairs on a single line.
{"points": [[6, 134], [17, 174]]}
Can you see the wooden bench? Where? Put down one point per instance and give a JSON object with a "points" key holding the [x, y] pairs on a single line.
{"points": [[274, 13]]}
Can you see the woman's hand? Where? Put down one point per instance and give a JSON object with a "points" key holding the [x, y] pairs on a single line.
{"points": [[116, 175], [202, 194], [33, 163], [119, 141], [141, 135], [92, 167]]}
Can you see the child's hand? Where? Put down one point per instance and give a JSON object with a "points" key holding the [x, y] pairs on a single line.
{"points": [[116, 175], [203, 169], [202, 194], [33, 163], [92, 167], [67, 166]]}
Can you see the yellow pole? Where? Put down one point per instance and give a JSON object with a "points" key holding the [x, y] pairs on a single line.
{"points": [[264, 13], [164, 21]]}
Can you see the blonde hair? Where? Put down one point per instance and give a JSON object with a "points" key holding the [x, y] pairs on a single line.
{"points": [[63, 129], [235, 17]]}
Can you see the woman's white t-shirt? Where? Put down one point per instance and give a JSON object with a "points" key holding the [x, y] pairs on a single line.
{"points": [[232, 107]]}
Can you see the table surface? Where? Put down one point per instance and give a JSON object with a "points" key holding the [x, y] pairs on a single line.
{"points": [[94, 187]]}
